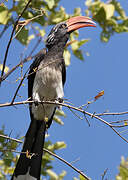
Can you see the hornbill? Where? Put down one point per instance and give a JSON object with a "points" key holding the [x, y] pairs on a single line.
{"points": [[46, 79]]}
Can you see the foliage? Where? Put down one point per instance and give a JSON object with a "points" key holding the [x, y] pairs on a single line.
{"points": [[110, 16], [7, 158], [123, 170]]}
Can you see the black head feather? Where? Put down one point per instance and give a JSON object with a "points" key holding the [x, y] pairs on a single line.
{"points": [[57, 35]]}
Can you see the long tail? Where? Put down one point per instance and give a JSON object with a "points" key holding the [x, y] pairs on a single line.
{"points": [[30, 167]]}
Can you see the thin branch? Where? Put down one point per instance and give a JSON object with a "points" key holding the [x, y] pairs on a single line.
{"points": [[70, 107], [9, 138], [120, 121], [112, 114], [10, 40], [22, 79], [103, 175], [119, 126], [69, 164]]}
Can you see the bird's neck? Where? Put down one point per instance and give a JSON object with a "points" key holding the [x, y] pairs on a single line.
{"points": [[57, 49]]}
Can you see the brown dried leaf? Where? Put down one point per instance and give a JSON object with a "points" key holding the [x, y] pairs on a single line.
{"points": [[101, 93]]}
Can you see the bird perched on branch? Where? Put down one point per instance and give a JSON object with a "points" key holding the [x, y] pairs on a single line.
{"points": [[46, 80]]}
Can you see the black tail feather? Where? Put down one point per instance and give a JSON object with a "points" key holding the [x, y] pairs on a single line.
{"points": [[34, 142], [35, 164]]}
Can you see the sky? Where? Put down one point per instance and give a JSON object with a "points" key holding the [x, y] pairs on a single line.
{"points": [[97, 147]]}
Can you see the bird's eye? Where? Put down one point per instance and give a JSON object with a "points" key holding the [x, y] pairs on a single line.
{"points": [[63, 26]]}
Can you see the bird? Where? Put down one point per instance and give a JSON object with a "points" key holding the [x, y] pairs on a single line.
{"points": [[46, 79]]}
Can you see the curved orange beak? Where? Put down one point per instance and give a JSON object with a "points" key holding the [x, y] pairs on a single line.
{"points": [[77, 22]]}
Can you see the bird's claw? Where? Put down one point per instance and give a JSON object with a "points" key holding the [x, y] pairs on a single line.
{"points": [[60, 100], [36, 102]]}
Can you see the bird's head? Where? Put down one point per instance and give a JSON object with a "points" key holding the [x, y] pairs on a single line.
{"points": [[60, 32]]}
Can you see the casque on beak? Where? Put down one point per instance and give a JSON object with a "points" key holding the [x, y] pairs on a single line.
{"points": [[77, 22]]}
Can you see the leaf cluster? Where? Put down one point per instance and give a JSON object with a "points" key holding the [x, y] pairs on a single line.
{"points": [[7, 158], [123, 170], [110, 16]]}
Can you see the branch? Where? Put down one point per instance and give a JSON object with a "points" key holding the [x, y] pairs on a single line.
{"points": [[22, 79], [9, 138], [112, 114], [69, 164], [10, 40], [26, 22], [45, 150], [92, 115]]}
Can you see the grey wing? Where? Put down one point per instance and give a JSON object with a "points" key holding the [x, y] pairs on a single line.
{"points": [[32, 71]]}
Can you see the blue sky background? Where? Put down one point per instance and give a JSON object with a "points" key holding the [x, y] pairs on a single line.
{"points": [[97, 146]]}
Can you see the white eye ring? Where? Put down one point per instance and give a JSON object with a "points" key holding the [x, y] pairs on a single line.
{"points": [[63, 26]]}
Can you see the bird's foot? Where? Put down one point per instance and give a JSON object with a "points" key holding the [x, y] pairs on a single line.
{"points": [[36, 102], [60, 100]]}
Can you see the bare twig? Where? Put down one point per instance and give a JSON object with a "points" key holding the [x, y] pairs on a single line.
{"points": [[69, 164], [112, 114], [22, 79], [120, 121], [92, 115], [10, 40], [9, 138], [103, 175]]}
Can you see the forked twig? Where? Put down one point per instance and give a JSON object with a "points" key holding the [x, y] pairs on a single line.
{"points": [[92, 115]]}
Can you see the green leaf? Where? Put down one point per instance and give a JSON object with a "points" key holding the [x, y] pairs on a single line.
{"points": [[81, 177], [52, 174], [77, 11], [58, 120], [123, 170], [76, 45], [50, 3], [22, 36], [78, 54], [56, 146], [42, 32], [32, 36], [6, 68], [8, 158], [8, 170], [59, 145], [59, 16], [21, 4], [118, 8], [109, 10], [4, 15], [67, 57], [100, 15], [60, 113], [62, 174]]}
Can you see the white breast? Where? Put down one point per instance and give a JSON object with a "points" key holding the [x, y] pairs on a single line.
{"points": [[47, 86]]}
